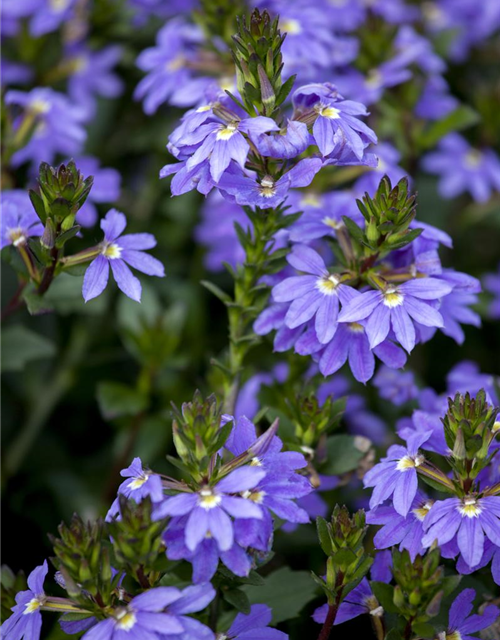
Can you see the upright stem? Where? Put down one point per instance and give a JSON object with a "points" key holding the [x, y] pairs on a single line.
{"points": [[243, 310], [332, 609]]}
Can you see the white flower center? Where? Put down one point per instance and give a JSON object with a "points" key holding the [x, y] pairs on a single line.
{"points": [[328, 112], [409, 462], [392, 298], [39, 106], [111, 250], [291, 26], [373, 79], [175, 64], [310, 200], [137, 482], [208, 499], [328, 286], [473, 158], [125, 619], [254, 496], [227, 132], [421, 512], [332, 223], [355, 327], [17, 236], [58, 5], [470, 508], [255, 462], [267, 188], [33, 605]]}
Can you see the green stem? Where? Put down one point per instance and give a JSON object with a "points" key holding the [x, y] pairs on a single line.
{"points": [[244, 308], [48, 399]]}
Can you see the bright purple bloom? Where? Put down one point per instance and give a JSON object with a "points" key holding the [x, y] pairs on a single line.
{"points": [[26, 619], [156, 614], [461, 624], [350, 343], [93, 75], [470, 519], [221, 142], [205, 558], [463, 168], [407, 531], [267, 193], [210, 508], [289, 142], [120, 251], [18, 220], [398, 387], [396, 475], [312, 296], [106, 188], [395, 307], [59, 127], [254, 626], [336, 125], [169, 78]]}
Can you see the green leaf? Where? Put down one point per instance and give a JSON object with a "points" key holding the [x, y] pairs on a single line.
{"points": [[285, 591], [217, 291], [324, 536], [285, 90], [394, 634], [343, 454], [238, 599], [20, 346], [423, 630], [67, 235], [463, 117], [117, 399], [356, 232], [449, 584], [385, 595]]}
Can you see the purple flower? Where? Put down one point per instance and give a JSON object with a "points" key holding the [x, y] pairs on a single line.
{"points": [[93, 75], [205, 558], [396, 475], [18, 221], [350, 342], [289, 142], [491, 552], [407, 531], [361, 600], [395, 307], [492, 285], [48, 16], [26, 619], [58, 127], [336, 125], [470, 519], [106, 188], [254, 626], [15, 72], [221, 142], [139, 484], [463, 168], [435, 101], [398, 387], [267, 193], [169, 78], [311, 296], [118, 251], [461, 624], [321, 214], [157, 613], [210, 508], [369, 88]]}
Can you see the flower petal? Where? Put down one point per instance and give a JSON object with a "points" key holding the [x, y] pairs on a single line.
{"points": [[96, 278]]}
